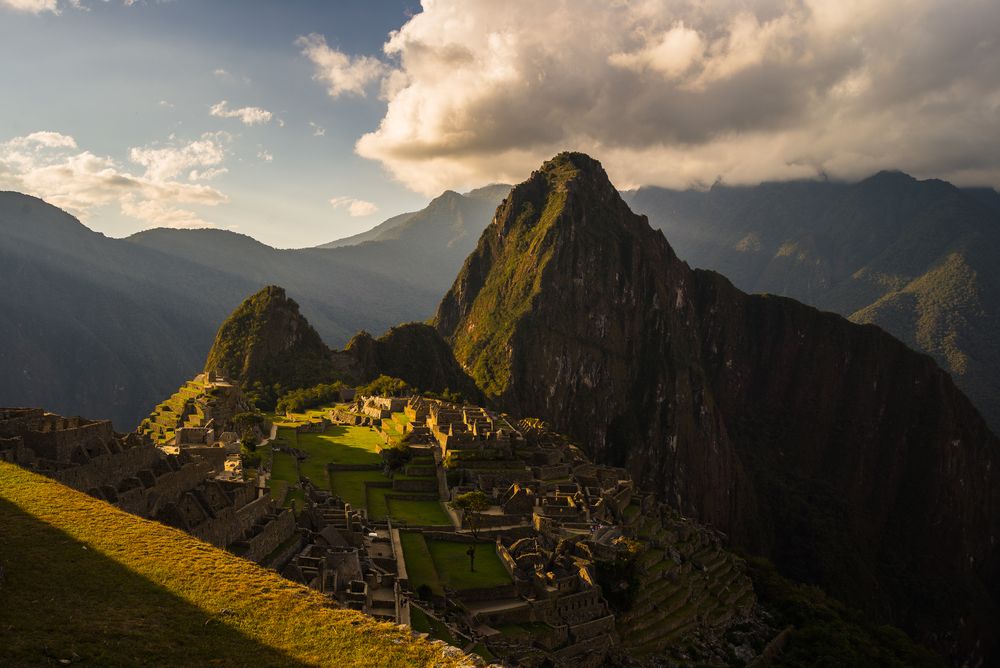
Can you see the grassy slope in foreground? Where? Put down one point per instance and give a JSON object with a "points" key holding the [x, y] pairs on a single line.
{"points": [[84, 581]]}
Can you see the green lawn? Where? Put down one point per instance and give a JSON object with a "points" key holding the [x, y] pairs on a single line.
{"points": [[452, 565], [422, 512], [441, 562], [419, 563], [283, 468], [344, 445], [87, 583], [350, 485], [418, 512], [340, 445]]}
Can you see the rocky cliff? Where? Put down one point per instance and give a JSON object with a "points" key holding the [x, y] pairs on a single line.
{"points": [[850, 460]]}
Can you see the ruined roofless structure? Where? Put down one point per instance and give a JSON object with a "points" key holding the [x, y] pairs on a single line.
{"points": [[129, 472]]}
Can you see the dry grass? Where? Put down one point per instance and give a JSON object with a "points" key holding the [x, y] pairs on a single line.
{"points": [[85, 582]]}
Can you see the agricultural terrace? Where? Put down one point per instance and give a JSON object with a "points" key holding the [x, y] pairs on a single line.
{"points": [[355, 445]]}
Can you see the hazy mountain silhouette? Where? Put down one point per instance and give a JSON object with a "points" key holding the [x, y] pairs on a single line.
{"points": [[107, 327]]}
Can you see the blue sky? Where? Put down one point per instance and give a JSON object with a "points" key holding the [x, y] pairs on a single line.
{"points": [[301, 122], [116, 77]]}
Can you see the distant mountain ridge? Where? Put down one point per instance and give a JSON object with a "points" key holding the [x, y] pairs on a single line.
{"points": [[108, 327], [920, 259], [850, 460]]}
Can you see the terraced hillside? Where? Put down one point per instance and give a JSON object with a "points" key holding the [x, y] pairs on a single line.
{"points": [[689, 582], [199, 402], [153, 595], [346, 460]]}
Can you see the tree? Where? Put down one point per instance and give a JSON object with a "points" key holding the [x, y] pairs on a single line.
{"points": [[471, 504], [386, 386]]}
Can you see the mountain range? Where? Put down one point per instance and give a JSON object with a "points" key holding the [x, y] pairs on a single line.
{"points": [[917, 258], [108, 327], [830, 447]]}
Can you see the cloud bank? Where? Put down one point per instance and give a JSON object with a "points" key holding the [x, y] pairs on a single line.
{"points": [[50, 165], [682, 93]]}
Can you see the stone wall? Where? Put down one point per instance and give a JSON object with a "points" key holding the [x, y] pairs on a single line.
{"points": [[230, 524], [109, 469], [276, 531]]}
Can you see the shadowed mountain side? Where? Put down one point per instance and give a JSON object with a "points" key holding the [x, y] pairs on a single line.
{"points": [[918, 258], [84, 581], [850, 460], [416, 353], [107, 327]]}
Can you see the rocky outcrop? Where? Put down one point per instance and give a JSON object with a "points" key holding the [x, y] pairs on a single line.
{"points": [[850, 460]]}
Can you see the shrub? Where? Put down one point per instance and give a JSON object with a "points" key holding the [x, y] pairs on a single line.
{"points": [[297, 401], [386, 386]]}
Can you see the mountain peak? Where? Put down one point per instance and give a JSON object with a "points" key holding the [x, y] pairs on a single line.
{"points": [[267, 339], [573, 309]]}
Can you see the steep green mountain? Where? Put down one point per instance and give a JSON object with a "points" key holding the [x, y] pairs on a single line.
{"points": [[830, 447], [917, 258], [270, 347], [109, 327], [267, 340]]}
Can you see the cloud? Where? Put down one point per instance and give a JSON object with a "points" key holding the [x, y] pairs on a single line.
{"points": [[265, 155], [31, 6], [247, 115], [355, 207], [341, 73], [166, 162], [50, 165], [318, 130], [683, 92], [160, 214]]}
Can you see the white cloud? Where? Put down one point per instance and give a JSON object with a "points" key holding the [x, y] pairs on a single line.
{"points": [[341, 73], [318, 130], [682, 92], [265, 155], [166, 162], [31, 6], [247, 115], [51, 166], [355, 207], [160, 214]]}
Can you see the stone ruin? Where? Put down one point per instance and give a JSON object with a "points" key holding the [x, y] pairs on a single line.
{"points": [[129, 472]]}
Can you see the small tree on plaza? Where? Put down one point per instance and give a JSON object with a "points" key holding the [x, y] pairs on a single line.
{"points": [[471, 504]]}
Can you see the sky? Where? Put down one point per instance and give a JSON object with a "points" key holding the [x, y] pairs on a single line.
{"points": [[302, 122]]}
